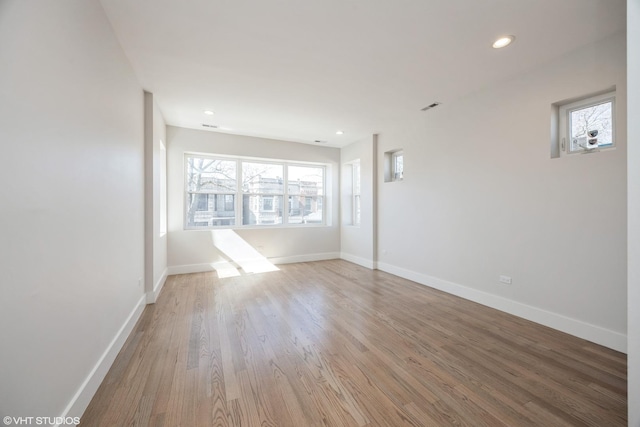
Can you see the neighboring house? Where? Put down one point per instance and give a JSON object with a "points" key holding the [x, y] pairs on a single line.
{"points": [[261, 205]]}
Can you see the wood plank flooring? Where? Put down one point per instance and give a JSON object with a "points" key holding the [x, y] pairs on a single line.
{"points": [[334, 344]]}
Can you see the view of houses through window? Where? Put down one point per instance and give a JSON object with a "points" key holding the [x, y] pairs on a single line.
{"points": [[223, 192]]}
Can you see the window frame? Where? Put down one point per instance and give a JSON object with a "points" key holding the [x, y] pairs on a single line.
{"points": [[239, 192], [564, 122]]}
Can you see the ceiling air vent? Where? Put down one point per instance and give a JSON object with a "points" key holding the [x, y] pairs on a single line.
{"points": [[210, 126], [428, 107], [319, 141]]}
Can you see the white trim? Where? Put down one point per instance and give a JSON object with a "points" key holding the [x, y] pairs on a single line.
{"points": [[305, 258], [190, 268], [239, 193], [367, 263], [199, 268], [153, 295], [599, 335], [89, 387]]}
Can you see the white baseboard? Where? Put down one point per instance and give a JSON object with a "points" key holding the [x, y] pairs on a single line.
{"points": [[580, 329], [87, 390], [153, 295], [199, 268], [189, 268], [367, 263], [305, 258]]}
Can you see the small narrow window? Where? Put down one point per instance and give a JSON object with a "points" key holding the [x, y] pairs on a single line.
{"points": [[163, 189], [587, 125], [398, 166], [393, 166], [355, 203]]}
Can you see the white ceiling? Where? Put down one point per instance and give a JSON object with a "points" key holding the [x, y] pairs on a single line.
{"points": [[300, 70]]}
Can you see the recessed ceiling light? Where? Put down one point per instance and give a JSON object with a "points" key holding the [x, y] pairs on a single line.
{"points": [[339, 132], [208, 112], [503, 42]]}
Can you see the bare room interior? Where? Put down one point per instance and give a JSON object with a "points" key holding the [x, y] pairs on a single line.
{"points": [[320, 213]]}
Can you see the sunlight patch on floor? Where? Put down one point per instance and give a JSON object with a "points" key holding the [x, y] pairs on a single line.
{"points": [[225, 269], [240, 252]]}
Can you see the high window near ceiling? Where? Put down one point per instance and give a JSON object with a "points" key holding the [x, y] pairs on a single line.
{"points": [[585, 125], [238, 192]]}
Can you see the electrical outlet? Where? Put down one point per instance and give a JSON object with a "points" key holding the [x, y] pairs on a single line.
{"points": [[139, 281], [505, 280]]}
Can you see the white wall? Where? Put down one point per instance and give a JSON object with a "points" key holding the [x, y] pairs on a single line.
{"points": [[155, 240], [481, 197], [193, 250], [633, 110], [160, 242], [71, 205], [358, 242]]}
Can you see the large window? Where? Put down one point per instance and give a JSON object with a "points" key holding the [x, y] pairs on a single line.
{"points": [[233, 192]]}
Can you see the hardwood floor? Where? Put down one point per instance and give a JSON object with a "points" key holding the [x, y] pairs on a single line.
{"points": [[334, 344]]}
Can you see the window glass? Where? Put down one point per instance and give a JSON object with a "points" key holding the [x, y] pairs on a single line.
{"points": [[596, 117], [210, 210], [261, 210], [206, 178], [306, 188], [398, 166], [305, 209], [306, 180], [211, 175], [262, 178]]}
